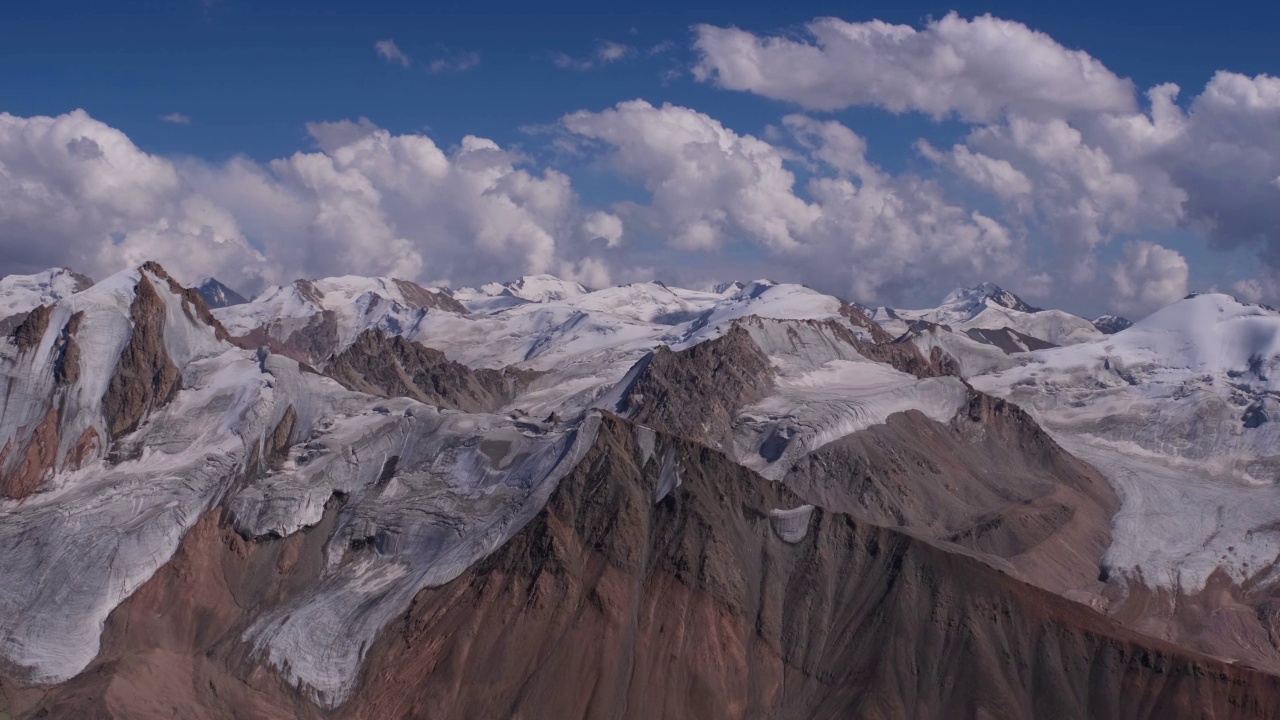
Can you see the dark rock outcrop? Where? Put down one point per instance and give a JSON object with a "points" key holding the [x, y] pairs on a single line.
{"points": [[991, 480], [421, 298], [39, 454], [28, 333], [145, 376], [1007, 339], [1112, 324], [217, 295], [395, 367], [696, 393], [317, 341]]}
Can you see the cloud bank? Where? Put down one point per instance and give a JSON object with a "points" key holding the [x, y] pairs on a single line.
{"points": [[1067, 147], [1061, 183], [79, 192]]}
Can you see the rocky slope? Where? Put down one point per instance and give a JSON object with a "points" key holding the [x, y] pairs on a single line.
{"points": [[720, 598], [361, 498]]}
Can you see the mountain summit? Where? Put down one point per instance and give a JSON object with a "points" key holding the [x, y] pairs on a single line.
{"points": [[217, 295], [969, 302], [1112, 324]]}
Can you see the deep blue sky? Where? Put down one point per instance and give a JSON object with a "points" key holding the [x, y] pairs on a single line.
{"points": [[251, 73]]}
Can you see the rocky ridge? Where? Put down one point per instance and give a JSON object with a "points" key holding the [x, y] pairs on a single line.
{"points": [[364, 498]]}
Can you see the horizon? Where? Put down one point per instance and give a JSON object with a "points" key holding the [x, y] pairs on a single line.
{"points": [[708, 288], [882, 157]]}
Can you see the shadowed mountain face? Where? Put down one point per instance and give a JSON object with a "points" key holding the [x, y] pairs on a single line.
{"points": [[724, 598], [625, 503], [395, 367], [216, 295]]}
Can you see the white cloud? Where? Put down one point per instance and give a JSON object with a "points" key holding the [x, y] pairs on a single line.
{"points": [[606, 52], [176, 118], [604, 226], [1059, 140], [459, 63], [707, 182], [76, 191], [609, 51], [1148, 277], [977, 69], [389, 51], [855, 230]]}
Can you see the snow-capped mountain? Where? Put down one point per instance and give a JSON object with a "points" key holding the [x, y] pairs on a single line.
{"points": [[354, 496], [529, 288], [216, 295], [964, 304], [317, 318], [1112, 324], [989, 307], [23, 293], [1179, 411]]}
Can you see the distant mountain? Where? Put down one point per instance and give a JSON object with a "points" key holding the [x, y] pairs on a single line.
{"points": [[973, 300], [23, 293], [1112, 324], [217, 295], [990, 307]]}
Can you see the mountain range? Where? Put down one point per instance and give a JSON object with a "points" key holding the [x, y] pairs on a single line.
{"points": [[361, 497]]}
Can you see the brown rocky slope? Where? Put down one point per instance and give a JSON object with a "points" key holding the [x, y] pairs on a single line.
{"points": [[609, 605]]}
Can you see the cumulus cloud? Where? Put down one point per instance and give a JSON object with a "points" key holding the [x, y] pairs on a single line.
{"points": [[852, 228], [176, 118], [1059, 140], [975, 69], [1148, 277], [606, 52], [389, 51], [76, 191], [459, 63], [1061, 156], [604, 226]]}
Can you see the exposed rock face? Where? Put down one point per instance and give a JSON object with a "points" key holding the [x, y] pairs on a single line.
{"points": [[906, 357], [421, 298], [607, 605], [317, 341], [990, 480], [217, 295], [1112, 324], [66, 368], [395, 367], [30, 457], [1008, 339], [193, 304], [696, 393], [37, 461], [145, 377], [187, 661], [27, 334]]}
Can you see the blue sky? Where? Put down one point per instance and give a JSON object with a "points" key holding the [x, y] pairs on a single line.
{"points": [[250, 76]]}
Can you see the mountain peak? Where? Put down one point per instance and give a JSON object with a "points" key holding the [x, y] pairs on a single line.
{"points": [[979, 295], [544, 288], [23, 293], [1112, 324], [217, 295]]}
